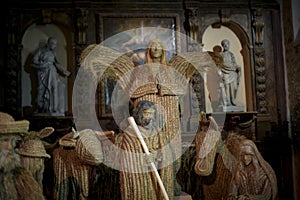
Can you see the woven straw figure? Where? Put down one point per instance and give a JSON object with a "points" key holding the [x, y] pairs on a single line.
{"points": [[137, 179], [219, 161], [253, 177], [73, 164], [158, 81], [15, 180], [214, 163], [32, 152]]}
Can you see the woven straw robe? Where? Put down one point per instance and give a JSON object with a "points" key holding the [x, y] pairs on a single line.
{"points": [[137, 179], [73, 164]]}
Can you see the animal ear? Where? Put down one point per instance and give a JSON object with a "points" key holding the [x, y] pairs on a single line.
{"points": [[213, 124], [45, 132]]}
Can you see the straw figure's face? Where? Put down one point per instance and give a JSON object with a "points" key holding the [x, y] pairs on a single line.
{"points": [[6, 143], [156, 50], [10, 132], [247, 154], [8, 158], [147, 116]]}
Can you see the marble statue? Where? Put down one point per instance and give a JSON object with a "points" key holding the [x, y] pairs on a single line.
{"points": [[230, 73], [51, 89]]}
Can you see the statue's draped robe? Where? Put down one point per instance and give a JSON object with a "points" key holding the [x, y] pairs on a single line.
{"points": [[229, 68]]}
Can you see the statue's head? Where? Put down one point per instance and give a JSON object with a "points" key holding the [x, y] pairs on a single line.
{"points": [[156, 50], [52, 43], [225, 44], [144, 114]]}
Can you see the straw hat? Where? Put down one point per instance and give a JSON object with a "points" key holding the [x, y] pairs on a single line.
{"points": [[32, 148], [9, 125]]}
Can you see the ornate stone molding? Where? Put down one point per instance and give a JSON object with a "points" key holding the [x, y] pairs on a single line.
{"points": [[262, 104], [259, 60]]}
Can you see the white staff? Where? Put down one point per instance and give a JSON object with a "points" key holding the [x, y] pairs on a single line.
{"points": [[146, 150]]}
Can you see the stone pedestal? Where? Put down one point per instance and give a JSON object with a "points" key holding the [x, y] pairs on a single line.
{"points": [[231, 108]]}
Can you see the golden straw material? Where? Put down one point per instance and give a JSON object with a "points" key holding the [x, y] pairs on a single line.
{"points": [[88, 147], [67, 140], [32, 148], [9, 125]]}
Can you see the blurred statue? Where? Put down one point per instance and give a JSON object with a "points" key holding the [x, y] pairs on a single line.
{"points": [[231, 73], [253, 177], [16, 182], [51, 90]]}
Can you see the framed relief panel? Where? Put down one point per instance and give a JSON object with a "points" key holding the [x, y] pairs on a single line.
{"points": [[130, 35]]}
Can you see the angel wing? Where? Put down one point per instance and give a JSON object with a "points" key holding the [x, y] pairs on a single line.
{"points": [[188, 63], [105, 60]]}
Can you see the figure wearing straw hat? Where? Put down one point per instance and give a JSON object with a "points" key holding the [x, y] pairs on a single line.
{"points": [[33, 153], [16, 182]]}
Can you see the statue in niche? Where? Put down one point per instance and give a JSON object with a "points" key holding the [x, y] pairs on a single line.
{"points": [[51, 90], [230, 73]]}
